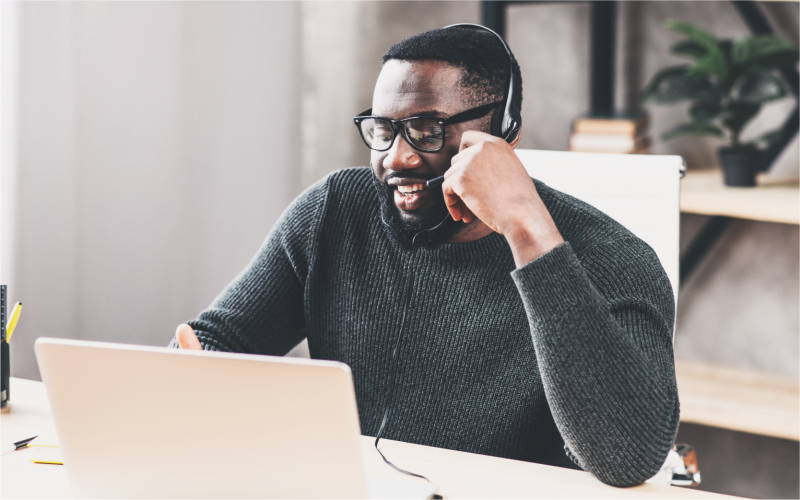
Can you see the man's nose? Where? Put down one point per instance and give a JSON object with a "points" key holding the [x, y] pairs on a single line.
{"points": [[402, 156]]}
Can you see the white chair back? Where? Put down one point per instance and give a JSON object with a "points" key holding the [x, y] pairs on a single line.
{"points": [[641, 192]]}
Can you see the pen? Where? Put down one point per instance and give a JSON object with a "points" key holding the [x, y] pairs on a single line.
{"points": [[12, 322], [17, 445], [436, 181]]}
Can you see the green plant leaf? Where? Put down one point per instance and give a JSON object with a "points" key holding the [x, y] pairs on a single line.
{"points": [[713, 63], [690, 49], [776, 61], [760, 87], [676, 84], [696, 129], [705, 110], [757, 49], [765, 139], [737, 114]]}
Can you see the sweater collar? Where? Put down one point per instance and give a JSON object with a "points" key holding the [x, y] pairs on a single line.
{"points": [[490, 246]]}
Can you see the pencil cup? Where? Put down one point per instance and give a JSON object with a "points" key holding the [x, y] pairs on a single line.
{"points": [[6, 375], [5, 371]]}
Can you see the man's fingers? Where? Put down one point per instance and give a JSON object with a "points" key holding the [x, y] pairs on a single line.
{"points": [[467, 216], [187, 338], [455, 210], [463, 156], [472, 137], [453, 202]]}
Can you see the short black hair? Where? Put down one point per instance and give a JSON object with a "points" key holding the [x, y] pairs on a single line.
{"points": [[479, 54]]}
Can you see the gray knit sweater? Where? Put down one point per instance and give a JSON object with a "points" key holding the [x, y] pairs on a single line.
{"points": [[565, 361]]}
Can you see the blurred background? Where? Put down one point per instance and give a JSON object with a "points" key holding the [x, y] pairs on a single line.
{"points": [[147, 148]]}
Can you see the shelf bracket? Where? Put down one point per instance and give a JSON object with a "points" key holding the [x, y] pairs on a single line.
{"points": [[701, 245], [604, 30], [493, 16]]}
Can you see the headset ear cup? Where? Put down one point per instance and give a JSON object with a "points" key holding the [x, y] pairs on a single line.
{"points": [[514, 133], [497, 121], [516, 121]]}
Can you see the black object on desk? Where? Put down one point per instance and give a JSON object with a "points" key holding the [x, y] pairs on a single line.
{"points": [[5, 370], [16, 446]]}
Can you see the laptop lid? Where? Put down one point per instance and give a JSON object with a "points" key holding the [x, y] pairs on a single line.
{"points": [[147, 422]]}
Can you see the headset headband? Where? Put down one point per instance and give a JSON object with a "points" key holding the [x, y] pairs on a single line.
{"points": [[511, 119]]}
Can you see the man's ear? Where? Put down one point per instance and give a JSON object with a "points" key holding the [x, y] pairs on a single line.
{"points": [[515, 142]]}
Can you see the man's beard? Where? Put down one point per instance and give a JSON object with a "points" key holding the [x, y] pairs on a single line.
{"points": [[403, 230]]}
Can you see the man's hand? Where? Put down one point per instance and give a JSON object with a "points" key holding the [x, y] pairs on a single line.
{"points": [[187, 338], [486, 180]]}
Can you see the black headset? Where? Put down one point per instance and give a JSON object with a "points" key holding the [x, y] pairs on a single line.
{"points": [[506, 119]]}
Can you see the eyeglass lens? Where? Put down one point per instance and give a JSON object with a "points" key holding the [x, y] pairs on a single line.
{"points": [[423, 133]]}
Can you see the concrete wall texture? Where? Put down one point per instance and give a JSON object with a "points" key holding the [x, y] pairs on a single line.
{"points": [[342, 46], [154, 144], [158, 143]]}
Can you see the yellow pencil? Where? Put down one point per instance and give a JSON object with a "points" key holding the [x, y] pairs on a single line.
{"points": [[12, 321]]}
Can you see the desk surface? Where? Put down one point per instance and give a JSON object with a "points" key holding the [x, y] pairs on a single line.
{"points": [[460, 475], [773, 200]]}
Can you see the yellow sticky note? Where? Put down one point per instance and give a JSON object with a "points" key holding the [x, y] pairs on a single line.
{"points": [[49, 438], [47, 455], [45, 449]]}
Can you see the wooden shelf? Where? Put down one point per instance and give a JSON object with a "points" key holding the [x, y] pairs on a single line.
{"points": [[773, 200], [742, 401]]}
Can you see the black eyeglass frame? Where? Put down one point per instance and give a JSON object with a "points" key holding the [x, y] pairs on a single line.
{"points": [[398, 126]]}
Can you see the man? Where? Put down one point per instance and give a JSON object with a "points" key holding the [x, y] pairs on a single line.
{"points": [[536, 328]]}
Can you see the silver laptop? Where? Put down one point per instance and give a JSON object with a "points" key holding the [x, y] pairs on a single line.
{"points": [[148, 422]]}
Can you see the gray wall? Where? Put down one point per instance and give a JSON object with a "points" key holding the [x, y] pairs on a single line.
{"points": [[342, 46], [157, 143]]}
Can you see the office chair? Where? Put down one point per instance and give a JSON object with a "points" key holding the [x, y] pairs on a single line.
{"points": [[641, 192]]}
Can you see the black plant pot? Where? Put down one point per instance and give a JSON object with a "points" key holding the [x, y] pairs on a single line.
{"points": [[740, 166]]}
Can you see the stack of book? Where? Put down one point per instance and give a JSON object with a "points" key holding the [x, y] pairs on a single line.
{"points": [[610, 135]]}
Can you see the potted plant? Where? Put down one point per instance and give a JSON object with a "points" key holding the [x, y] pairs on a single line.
{"points": [[727, 83]]}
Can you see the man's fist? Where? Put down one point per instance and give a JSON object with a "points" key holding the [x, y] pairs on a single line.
{"points": [[186, 338], [486, 180]]}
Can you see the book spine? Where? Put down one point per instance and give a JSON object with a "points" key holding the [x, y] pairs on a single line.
{"points": [[607, 143], [623, 128]]}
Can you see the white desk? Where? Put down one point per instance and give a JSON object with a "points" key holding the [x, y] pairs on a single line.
{"points": [[460, 475], [27, 415]]}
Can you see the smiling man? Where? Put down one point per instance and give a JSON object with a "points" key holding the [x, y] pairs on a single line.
{"points": [[533, 326]]}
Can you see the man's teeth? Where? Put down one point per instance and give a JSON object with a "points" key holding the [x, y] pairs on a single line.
{"points": [[411, 189]]}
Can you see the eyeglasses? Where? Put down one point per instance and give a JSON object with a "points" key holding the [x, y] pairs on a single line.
{"points": [[423, 133]]}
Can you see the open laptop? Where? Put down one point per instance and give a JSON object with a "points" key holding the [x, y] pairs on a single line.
{"points": [[148, 422]]}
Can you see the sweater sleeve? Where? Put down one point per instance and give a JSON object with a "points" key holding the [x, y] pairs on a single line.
{"points": [[604, 348], [261, 311]]}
